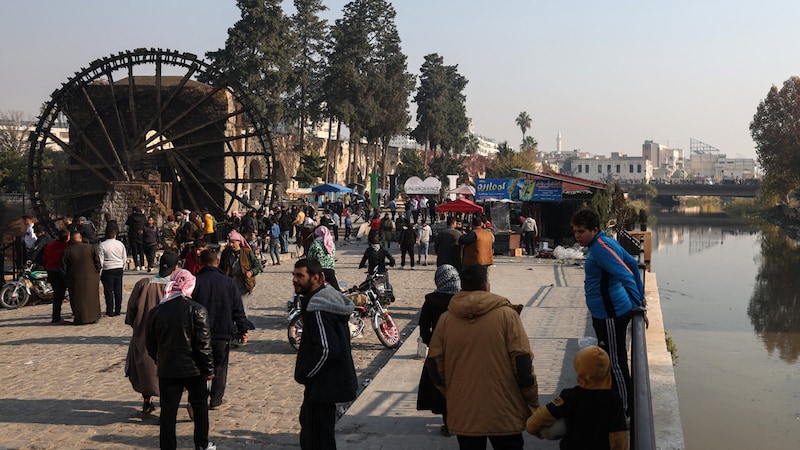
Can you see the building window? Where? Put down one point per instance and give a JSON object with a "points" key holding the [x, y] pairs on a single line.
{"points": [[639, 168], [630, 168], [586, 168], [608, 168], [618, 167], [599, 168], [580, 168]]}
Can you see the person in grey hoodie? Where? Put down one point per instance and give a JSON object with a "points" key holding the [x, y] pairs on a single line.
{"points": [[324, 362]]}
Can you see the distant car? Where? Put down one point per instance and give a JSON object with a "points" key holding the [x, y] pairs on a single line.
{"points": [[708, 181]]}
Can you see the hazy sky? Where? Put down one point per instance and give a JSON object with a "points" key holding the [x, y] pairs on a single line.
{"points": [[607, 75]]}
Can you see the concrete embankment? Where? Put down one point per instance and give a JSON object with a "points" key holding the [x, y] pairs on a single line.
{"points": [[555, 318]]}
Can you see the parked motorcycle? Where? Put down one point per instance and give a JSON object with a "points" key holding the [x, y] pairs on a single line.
{"points": [[371, 299], [15, 294]]}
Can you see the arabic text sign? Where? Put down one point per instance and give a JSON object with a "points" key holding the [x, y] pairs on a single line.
{"points": [[518, 189]]}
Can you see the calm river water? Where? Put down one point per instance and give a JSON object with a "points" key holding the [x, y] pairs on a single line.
{"points": [[729, 294]]}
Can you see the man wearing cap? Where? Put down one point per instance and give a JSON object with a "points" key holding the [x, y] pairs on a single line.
{"points": [[87, 230], [178, 339], [140, 368]]}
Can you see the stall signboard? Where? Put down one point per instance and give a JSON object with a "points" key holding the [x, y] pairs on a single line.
{"points": [[430, 186], [518, 189]]}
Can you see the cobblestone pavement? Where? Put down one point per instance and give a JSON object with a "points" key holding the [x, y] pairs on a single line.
{"points": [[64, 386]]}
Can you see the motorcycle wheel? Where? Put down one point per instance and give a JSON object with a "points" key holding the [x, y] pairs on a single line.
{"points": [[356, 324], [13, 296], [386, 330], [295, 332]]}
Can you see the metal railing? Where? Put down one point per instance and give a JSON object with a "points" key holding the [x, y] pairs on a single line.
{"points": [[642, 429]]}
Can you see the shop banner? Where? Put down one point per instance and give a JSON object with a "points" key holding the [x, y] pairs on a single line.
{"points": [[518, 189]]}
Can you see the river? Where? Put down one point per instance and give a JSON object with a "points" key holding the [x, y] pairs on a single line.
{"points": [[729, 295]]}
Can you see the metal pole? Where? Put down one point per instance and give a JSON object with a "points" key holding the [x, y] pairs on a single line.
{"points": [[642, 428]]}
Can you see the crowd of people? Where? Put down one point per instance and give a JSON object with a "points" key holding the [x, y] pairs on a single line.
{"points": [[187, 316]]}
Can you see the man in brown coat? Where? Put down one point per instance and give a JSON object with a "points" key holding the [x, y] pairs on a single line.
{"points": [[480, 358], [81, 266], [478, 244]]}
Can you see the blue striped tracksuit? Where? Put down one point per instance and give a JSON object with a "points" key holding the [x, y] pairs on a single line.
{"points": [[613, 287]]}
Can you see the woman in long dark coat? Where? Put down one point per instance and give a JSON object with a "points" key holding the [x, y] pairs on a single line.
{"points": [[81, 267], [447, 284]]}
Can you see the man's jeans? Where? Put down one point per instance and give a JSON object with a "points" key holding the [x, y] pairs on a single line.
{"points": [[284, 241]]}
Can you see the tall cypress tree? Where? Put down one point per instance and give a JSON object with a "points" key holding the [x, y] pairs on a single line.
{"points": [[303, 102], [366, 76], [257, 54], [441, 106]]}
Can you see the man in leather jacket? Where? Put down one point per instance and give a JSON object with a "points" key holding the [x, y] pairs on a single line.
{"points": [[179, 340]]}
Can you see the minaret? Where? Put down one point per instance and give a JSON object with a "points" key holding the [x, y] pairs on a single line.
{"points": [[558, 142]]}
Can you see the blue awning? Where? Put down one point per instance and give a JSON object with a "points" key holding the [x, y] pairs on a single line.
{"points": [[331, 187]]}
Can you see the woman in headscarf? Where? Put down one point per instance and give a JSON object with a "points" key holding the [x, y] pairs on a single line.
{"points": [[324, 251], [448, 283]]}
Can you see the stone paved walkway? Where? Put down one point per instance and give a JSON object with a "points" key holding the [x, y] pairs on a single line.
{"points": [[64, 386]]}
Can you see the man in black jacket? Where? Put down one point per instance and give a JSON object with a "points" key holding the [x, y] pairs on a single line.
{"points": [[219, 295], [446, 246], [324, 362], [179, 341]]}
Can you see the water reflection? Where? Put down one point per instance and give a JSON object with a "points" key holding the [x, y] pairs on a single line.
{"points": [[773, 309]]}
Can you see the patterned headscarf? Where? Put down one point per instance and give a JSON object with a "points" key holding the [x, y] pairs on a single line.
{"points": [[325, 234], [447, 279], [181, 283], [236, 236]]}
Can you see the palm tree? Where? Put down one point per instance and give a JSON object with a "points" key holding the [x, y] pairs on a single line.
{"points": [[523, 121]]}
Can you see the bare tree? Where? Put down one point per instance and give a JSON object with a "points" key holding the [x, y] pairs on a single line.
{"points": [[14, 132]]}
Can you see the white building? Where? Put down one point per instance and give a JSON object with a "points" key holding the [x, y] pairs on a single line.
{"points": [[708, 162], [665, 160], [614, 168]]}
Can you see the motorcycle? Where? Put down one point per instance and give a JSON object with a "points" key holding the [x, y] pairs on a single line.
{"points": [[369, 299], [16, 294]]}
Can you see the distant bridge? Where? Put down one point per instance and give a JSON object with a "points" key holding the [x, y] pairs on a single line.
{"points": [[710, 190]]}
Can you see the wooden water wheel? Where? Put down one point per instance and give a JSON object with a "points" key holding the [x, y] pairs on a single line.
{"points": [[140, 116]]}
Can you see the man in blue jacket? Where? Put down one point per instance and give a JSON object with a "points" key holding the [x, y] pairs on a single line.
{"points": [[219, 295], [324, 362], [613, 288]]}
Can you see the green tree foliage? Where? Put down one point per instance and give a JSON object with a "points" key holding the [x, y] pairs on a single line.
{"points": [[13, 171], [507, 160], [411, 165], [366, 84], [472, 146], [441, 106], [776, 133], [443, 165], [258, 53], [523, 121], [645, 192], [601, 202], [618, 204], [312, 167], [303, 102], [529, 143]]}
